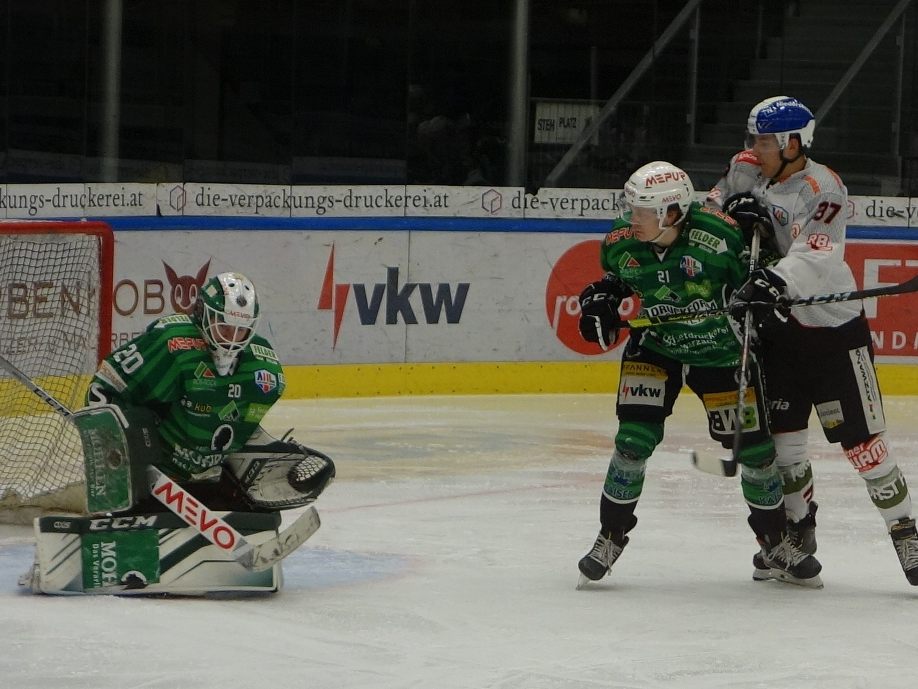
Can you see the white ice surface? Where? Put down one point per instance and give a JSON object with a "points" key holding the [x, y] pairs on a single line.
{"points": [[448, 559]]}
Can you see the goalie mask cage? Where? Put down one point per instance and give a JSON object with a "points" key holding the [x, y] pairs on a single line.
{"points": [[55, 325]]}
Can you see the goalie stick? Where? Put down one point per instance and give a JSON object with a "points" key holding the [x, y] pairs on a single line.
{"points": [[255, 557], [216, 530], [910, 285]]}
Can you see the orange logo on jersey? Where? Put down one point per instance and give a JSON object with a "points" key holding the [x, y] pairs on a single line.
{"points": [[747, 156], [716, 212], [184, 343], [616, 235]]}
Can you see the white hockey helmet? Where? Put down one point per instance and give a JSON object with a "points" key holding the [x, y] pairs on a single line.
{"points": [[781, 116], [659, 185], [226, 311]]}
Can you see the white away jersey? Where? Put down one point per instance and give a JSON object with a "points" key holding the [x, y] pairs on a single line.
{"points": [[809, 212]]}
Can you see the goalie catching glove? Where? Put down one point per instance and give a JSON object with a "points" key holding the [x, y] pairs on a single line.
{"points": [[599, 302], [764, 294], [280, 474]]}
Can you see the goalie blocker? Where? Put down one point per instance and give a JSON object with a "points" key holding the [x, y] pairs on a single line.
{"points": [[128, 547]]}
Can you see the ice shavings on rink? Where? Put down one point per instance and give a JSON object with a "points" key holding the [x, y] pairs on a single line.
{"points": [[319, 568], [448, 557]]}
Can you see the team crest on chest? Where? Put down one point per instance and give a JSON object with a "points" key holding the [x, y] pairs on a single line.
{"points": [[690, 265], [780, 214], [265, 380]]}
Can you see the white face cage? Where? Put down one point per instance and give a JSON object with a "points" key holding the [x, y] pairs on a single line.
{"points": [[230, 330]]}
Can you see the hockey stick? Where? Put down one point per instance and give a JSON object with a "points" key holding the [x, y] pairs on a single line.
{"points": [[46, 397], [710, 464], [255, 557], [910, 285], [728, 467], [744, 355]]}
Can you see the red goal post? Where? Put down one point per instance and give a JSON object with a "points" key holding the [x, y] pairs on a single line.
{"points": [[55, 325]]}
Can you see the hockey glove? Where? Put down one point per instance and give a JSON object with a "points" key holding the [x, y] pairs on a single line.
{"points": [[750, 216], [599, 319], [764, 294]]}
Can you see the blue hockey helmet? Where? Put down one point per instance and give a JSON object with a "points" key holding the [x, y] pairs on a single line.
{"points": [[781, 116]]}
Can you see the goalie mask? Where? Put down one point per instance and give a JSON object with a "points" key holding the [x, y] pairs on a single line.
{"points": [[226, 311], [657, 186]]}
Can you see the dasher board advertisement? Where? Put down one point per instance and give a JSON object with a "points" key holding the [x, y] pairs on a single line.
{"points": [[104, 200], [427, 295]]}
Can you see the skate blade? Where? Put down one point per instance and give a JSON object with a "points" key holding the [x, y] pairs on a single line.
{"points": [[785, 578], [582, 582]]}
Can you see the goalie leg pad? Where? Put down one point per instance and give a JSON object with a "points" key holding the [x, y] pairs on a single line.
{"points": [[117, 446], [144, 554]]}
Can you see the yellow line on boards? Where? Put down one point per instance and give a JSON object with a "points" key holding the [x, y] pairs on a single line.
{"points": [[388, 380], [376, 380]]}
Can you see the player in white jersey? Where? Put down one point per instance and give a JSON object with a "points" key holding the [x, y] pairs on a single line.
{"points": [[818, 356]]}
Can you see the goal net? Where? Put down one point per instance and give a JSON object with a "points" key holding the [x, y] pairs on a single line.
{"points": [[55, 326]]}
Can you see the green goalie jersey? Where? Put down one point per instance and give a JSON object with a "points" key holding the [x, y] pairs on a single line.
{"points": [[697, 272], [203, 416]]}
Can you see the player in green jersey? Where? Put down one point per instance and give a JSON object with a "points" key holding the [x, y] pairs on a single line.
{"points": [[209, 380], [680, 257]]}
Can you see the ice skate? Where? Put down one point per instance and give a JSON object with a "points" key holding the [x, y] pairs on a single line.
{"points": [[596, 564], [785, 562], [803, 533], [606, 550], [905, 540]]}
